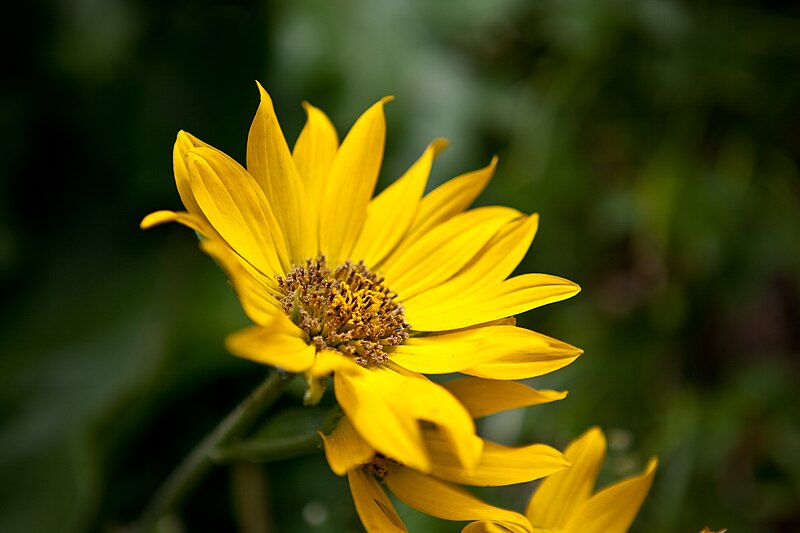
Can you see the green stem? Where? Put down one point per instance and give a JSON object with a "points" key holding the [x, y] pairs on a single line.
{"points": [[267, 451], [199, 461]]}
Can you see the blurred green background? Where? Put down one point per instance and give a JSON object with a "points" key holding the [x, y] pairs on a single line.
{"points": [[658, 139]]}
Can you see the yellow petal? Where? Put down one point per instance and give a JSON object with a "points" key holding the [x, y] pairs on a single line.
{"points": [[455, 351], [560, 495], [505, 251], [499, 465], [345, 449], [545, 355], [329, 361], [483, 397], [374, 416], [350, 184], [446, 201], [237, 209], [447, 501], [256, 292], [613, 509], [483, 527], [280, 344], [162, 217], [493, 264], [444, 250], [375, 510], [390, 213], [385, 407], [313, 156], [183, 144], [512, 296], [271, 164]]}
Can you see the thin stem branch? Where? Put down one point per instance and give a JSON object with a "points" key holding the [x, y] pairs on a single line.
{"points": [[267, 451], [199, 461]]}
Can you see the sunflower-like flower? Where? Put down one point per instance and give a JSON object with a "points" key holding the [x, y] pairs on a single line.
{"points": [[566, 502], [437, 493], [377, 291]]}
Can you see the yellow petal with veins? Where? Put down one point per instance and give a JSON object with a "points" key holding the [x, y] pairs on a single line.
{"points": [[479, 347], [257, 293], [374, 415], [444, 250], [613, 509], [162, 217], [236, 207], [445, 202], [271, 164], [183, 144], [560, 495], [280, 344], [390, 213], [350, 184], [374, 508], [386, 407], [546, 356], [345, 449], [499, 465], [512, 296], [313, 156], [446, 501], [496, 261], [484, 397], [485, 527]]}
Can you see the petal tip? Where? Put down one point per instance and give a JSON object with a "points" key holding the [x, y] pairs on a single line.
{"points": [[149, 221], [439, 144], [156, 219], [265, 97], [594, 432], [307, 107]]}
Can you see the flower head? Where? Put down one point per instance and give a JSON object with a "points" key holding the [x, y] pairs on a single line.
{"points": [[377, 291], [436, 493], [566, 502]]}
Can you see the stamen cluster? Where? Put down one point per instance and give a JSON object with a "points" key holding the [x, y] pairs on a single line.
{"points": [[348, 309]]}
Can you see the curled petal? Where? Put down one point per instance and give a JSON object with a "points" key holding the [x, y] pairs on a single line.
{"points": [[345, 449], [280, 344]]}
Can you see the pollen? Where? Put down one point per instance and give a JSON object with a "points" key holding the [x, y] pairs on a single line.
{"points": [[348, 309]]}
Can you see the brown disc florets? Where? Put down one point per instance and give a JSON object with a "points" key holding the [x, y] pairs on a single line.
{"points": [[348, 309]]}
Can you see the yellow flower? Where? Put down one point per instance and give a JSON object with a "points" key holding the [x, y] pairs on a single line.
{"points": [[565, 502], [436, 493], [377, 291]]}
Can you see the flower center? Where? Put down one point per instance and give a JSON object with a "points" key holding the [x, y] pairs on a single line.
{"points": [[348, 309]]}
